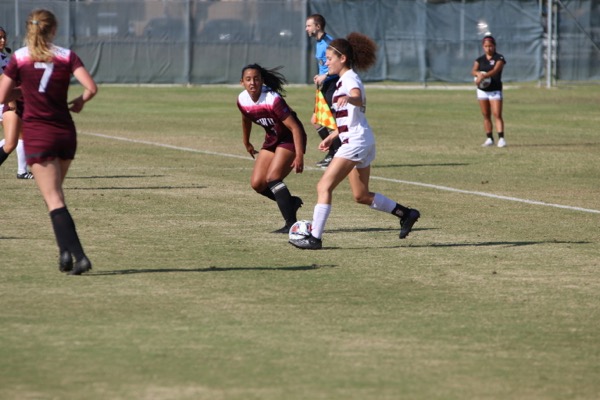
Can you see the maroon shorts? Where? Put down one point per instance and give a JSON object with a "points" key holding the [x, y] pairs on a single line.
{"points": [[286, 145], [44, 142], [271, 145], [286, 140]]}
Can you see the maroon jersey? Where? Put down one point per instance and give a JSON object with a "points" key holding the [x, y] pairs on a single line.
{"points": [[269, 112], [44, 85], [48, 129]]}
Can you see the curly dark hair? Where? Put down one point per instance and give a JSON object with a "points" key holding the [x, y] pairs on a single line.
{"points": [[359, 49], [272, 78]]}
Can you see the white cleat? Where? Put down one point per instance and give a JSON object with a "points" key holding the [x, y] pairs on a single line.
{"points": [[488, 142]]}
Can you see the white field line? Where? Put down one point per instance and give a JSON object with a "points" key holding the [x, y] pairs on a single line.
{"points": [[483, 194], [427, 185]]}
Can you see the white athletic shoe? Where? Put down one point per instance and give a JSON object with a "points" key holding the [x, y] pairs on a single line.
{"points": [[488, 142], [501, 142]]}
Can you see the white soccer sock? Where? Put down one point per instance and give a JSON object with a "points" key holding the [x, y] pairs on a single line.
{"points": [[382, 203], [2, 142], [21, 161], [320, 215]]}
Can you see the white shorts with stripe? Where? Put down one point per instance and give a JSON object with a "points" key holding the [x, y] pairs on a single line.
{"points": [[363, 153], [483, 95]]}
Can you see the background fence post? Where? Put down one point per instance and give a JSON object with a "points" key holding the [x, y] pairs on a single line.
{"points": [[549, 46]]}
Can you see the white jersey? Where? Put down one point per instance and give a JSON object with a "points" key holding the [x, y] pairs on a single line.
{"points": [[351, 120]]}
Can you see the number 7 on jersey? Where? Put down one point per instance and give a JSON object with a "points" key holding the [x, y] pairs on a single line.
{"points": [[48, 68]]}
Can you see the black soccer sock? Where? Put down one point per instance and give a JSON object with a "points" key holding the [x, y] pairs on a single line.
{"points": [[3, 155], [335, 145], [489, 135], [267, 193], [323, 132], [65, 232], [400, 211], [500, 134], [284, 200]]}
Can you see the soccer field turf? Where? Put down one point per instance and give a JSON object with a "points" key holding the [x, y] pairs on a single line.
{"points": [[494, 295]]}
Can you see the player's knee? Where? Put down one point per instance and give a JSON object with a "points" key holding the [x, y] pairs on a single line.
{"points": [[258, 186], [273, 176], [363, 198], [323, 188]]}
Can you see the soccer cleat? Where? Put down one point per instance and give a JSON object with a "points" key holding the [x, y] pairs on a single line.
{"points": [[81, 266], [297, 204], [324, 163], [407, 222], [307, 243], [501, 142], [25, 175], [488, 142], [286, 229], [65, 261]]}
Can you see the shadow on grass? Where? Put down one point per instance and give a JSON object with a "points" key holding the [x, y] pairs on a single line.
{"points": [[114, 176], [556, 145], [128, 187], [421, 165], [211, 269], [397, 230], [362, 230], [406, 243], [499, 243], [136, 187]]}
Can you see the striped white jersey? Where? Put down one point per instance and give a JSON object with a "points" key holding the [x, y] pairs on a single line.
{"points": [[351, 120]]}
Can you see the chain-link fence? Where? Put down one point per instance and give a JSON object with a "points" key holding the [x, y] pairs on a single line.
{"points": [[208, 41]]}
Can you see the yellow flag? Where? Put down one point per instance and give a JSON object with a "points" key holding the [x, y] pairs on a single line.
{"points": [[323, 113]]}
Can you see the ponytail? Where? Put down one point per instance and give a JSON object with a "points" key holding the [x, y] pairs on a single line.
{"points": [[41, 28]]}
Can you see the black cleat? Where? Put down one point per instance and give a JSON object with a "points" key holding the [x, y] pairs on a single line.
{"points": [[81, 266], [65, 261], [324, 163], [407, 222], [285, 229], [297, 201], [297, 204], [25, 175], [307, 243]]}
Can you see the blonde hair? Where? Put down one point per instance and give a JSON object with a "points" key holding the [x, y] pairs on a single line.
{"points": [[41, 28]]}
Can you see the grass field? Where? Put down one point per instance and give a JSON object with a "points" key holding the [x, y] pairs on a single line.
{"points": [[191, 297]]}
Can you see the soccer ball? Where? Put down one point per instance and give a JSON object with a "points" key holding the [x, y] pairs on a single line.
{"points": [[300, 230], [484, 83]]}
